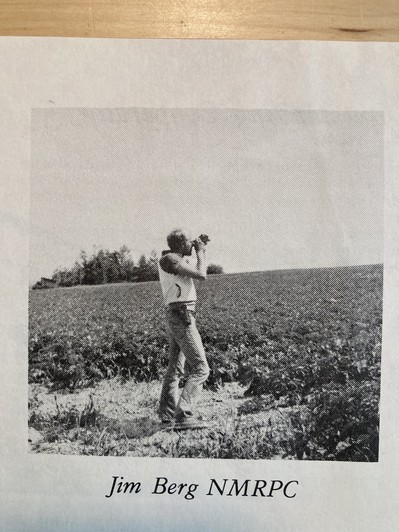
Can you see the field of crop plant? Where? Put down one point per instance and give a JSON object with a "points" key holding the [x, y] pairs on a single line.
{"points": [[294, 357]]}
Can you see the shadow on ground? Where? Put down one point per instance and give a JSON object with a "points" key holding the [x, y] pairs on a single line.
{"points": [[138, 427]]}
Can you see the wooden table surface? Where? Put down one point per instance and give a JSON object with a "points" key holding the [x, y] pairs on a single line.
{"points": [[354, 20]]}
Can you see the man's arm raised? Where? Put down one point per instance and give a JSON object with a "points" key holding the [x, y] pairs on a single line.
{"points": [[199, 272]]}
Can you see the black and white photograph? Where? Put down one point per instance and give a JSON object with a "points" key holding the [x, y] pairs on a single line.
{"points": [[206, 283]]}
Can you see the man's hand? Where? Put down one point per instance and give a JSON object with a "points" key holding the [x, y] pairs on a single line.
{"points": [[199, 245]]}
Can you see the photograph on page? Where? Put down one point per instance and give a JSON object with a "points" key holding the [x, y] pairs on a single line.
{"points": [[206, 283]]}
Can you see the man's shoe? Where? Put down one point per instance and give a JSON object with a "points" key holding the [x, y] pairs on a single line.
{"points": [[167, 424]]}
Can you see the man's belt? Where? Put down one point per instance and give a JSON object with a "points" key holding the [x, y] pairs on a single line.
{"points": [[183, 310], [182, 304]]}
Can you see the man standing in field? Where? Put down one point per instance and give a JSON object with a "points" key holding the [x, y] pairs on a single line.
{"points": [[176, 275]]}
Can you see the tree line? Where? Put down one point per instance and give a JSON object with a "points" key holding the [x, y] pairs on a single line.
{"points": [[104, 266]]}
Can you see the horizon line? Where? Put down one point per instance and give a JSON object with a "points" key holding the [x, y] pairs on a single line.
{"points": [[239, 272]]}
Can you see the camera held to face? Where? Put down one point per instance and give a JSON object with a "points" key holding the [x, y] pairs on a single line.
{"points": [[203, 238]]}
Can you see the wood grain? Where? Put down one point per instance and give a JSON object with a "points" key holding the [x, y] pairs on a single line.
{"points": [[354, 20]]}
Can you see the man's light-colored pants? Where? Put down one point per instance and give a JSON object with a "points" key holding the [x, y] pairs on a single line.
{"points": [[186, 357]]}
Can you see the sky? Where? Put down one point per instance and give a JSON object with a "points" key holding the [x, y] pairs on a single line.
{"points": [[272, 189]]}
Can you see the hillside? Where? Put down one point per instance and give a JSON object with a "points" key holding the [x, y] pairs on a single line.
{"points": [[295, 359]]}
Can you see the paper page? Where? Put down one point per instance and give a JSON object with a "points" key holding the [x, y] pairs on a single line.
{"points": [[155, 381]]}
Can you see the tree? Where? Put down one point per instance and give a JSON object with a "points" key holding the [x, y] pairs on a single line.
{"points": [[126, 264], [105, 266], [214, 269], [147, 270], [152, 267]]}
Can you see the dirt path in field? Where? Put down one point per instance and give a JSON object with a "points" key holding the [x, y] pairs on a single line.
{"points": [[121, 419]]}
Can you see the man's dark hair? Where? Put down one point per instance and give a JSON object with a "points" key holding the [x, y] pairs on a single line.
{"points": [[176, 238]]}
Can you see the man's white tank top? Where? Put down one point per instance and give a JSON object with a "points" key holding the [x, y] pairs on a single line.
{"points": [[175, 288]]}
